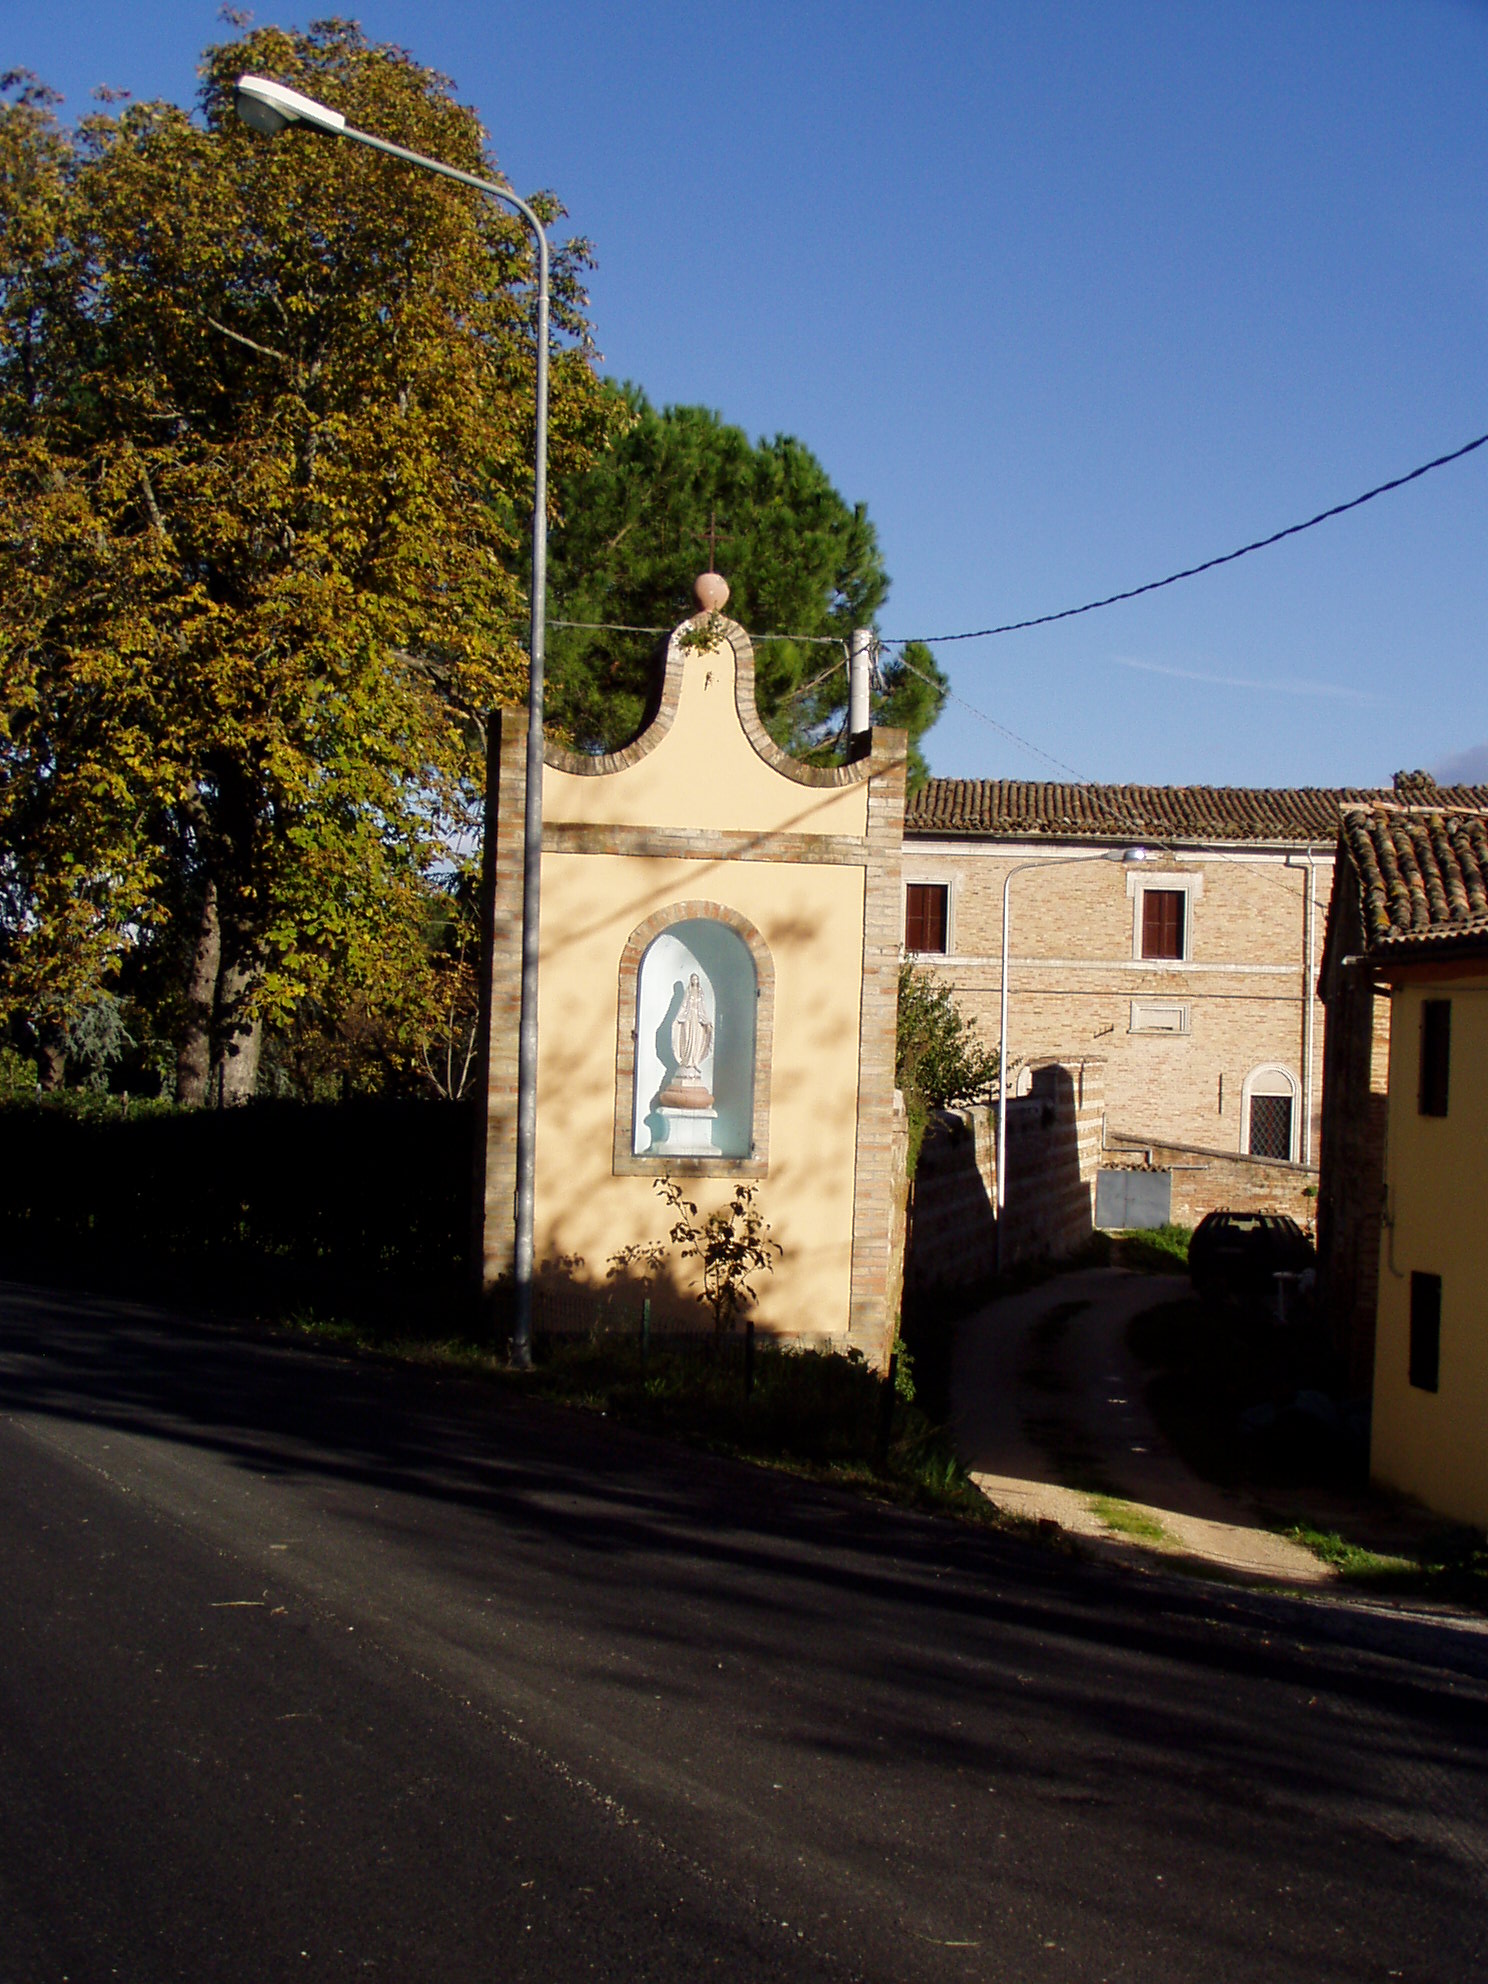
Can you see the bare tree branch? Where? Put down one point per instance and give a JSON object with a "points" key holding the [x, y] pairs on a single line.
{"points": [[263, 350]]}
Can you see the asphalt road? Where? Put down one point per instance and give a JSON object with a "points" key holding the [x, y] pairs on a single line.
{"points": [[315, 1669]]}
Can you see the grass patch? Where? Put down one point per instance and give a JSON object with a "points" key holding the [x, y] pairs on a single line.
{"points": [[813, 1412], [1153, 1250], [1127, 1520], [1223, 1386], [1351, 1560], [1449, 1566]]}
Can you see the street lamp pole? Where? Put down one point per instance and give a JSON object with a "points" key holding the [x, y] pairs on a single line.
{"points": [[268, 107], [1128, 856]]}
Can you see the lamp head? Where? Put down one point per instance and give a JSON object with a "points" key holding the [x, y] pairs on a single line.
{"points": [[1128, 856], [268, 106]]}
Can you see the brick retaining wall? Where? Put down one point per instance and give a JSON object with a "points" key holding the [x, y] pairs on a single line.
{"points": [[1054, 1140], [1209, 1180]]}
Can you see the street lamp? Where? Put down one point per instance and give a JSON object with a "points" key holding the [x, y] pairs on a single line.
{"points": [[1129, 857], [268, 107]]}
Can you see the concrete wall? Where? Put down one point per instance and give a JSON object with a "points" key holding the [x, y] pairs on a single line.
{"points": [[1432, 1444], [1248, 984], [703, 816]]}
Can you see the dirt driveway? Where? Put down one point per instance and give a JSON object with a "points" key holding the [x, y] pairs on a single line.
{"points": [[1052, 1425]]}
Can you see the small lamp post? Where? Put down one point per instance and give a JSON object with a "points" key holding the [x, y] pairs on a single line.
{"points": [[267, 107], [1129, 857]]}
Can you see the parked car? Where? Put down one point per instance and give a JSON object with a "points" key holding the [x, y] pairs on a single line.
{"points": [[1239, 1254]]}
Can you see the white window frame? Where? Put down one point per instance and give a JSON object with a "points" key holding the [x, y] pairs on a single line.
{"points": [[1271, 1071], [1191, 886], [945, 882], [1141, 1022]]}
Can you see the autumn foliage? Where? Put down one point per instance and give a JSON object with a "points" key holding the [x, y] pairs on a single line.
{"points": [[264, 495]]}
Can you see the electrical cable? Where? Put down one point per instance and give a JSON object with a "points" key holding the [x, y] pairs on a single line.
{"points": [[950, 695], [1209, 564], [619, 627]]}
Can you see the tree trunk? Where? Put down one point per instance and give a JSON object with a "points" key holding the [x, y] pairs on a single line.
{"points": [[194, 1050], [239, 1039], [52, 1059]]}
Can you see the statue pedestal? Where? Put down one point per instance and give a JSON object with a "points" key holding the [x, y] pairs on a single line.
{"points": [[689, 1133]]}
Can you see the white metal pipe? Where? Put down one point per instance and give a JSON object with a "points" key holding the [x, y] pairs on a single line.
{"points": [[1309, 1008], [859, 673]]}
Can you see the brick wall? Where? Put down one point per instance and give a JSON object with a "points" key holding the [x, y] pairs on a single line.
{"points": [[1247, 984], [1053, 1139], [1351, 1187], [952, 1239], [1207, 1181]]}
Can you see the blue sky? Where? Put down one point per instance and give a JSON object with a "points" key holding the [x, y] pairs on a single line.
{"points": [[1070, 295]]}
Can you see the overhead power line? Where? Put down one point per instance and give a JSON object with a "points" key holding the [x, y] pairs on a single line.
{"points": [[949, 695], [1209, 564], [620, 627]]}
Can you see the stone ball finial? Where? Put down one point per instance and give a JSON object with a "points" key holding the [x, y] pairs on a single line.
{"points": [[711, 592]]}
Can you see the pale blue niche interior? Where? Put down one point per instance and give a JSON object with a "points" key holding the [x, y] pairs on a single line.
{"points": [[723, 963]]}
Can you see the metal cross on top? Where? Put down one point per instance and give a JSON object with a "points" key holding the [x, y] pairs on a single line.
{"points": [[710, 538]]}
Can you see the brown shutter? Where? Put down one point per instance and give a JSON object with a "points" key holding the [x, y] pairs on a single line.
{"points": [[1162, 923], [1436, 1056], [925, 916]]}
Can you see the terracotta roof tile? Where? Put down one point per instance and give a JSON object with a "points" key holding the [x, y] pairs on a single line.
{"points": [[1015, 809], [1423, 875]]}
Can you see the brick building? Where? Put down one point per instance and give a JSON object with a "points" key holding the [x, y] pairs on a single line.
{"points": [[1191, 973]]}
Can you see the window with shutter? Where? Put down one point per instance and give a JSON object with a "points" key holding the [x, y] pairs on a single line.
{"points": [[1425, 1331], [926, 906], [1162, 922], [1436, 1056]]}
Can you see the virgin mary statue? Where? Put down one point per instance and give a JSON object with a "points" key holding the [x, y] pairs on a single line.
{"points": [[692, 1043]]}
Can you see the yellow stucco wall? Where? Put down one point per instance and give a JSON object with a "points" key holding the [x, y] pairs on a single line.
{"points": [[812, 920], [1434, 1445], [704, 775]]}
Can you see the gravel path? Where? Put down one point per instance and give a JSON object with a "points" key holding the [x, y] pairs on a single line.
{"points": [[1052, 1425]]}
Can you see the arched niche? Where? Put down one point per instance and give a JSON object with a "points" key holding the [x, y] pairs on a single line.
{"points": [[660, 1125]]}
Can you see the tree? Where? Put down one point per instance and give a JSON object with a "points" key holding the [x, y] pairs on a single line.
{"points": [[938, 1058], [678, 489], [265, 415]]}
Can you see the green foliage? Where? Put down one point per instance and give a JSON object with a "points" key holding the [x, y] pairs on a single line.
{"points": [[938, 1056], [815, 1410], [909, 694], [1155, 1250], [731, 1246], [364, 1200], [18, 1075], [677, 486], [1128, 1520], [265, 415]]}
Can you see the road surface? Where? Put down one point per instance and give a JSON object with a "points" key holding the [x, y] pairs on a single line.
{"points": [[317, 1669]]}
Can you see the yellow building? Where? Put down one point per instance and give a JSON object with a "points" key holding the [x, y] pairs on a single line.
{"points": [[718, 976], [1425, 876]]}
